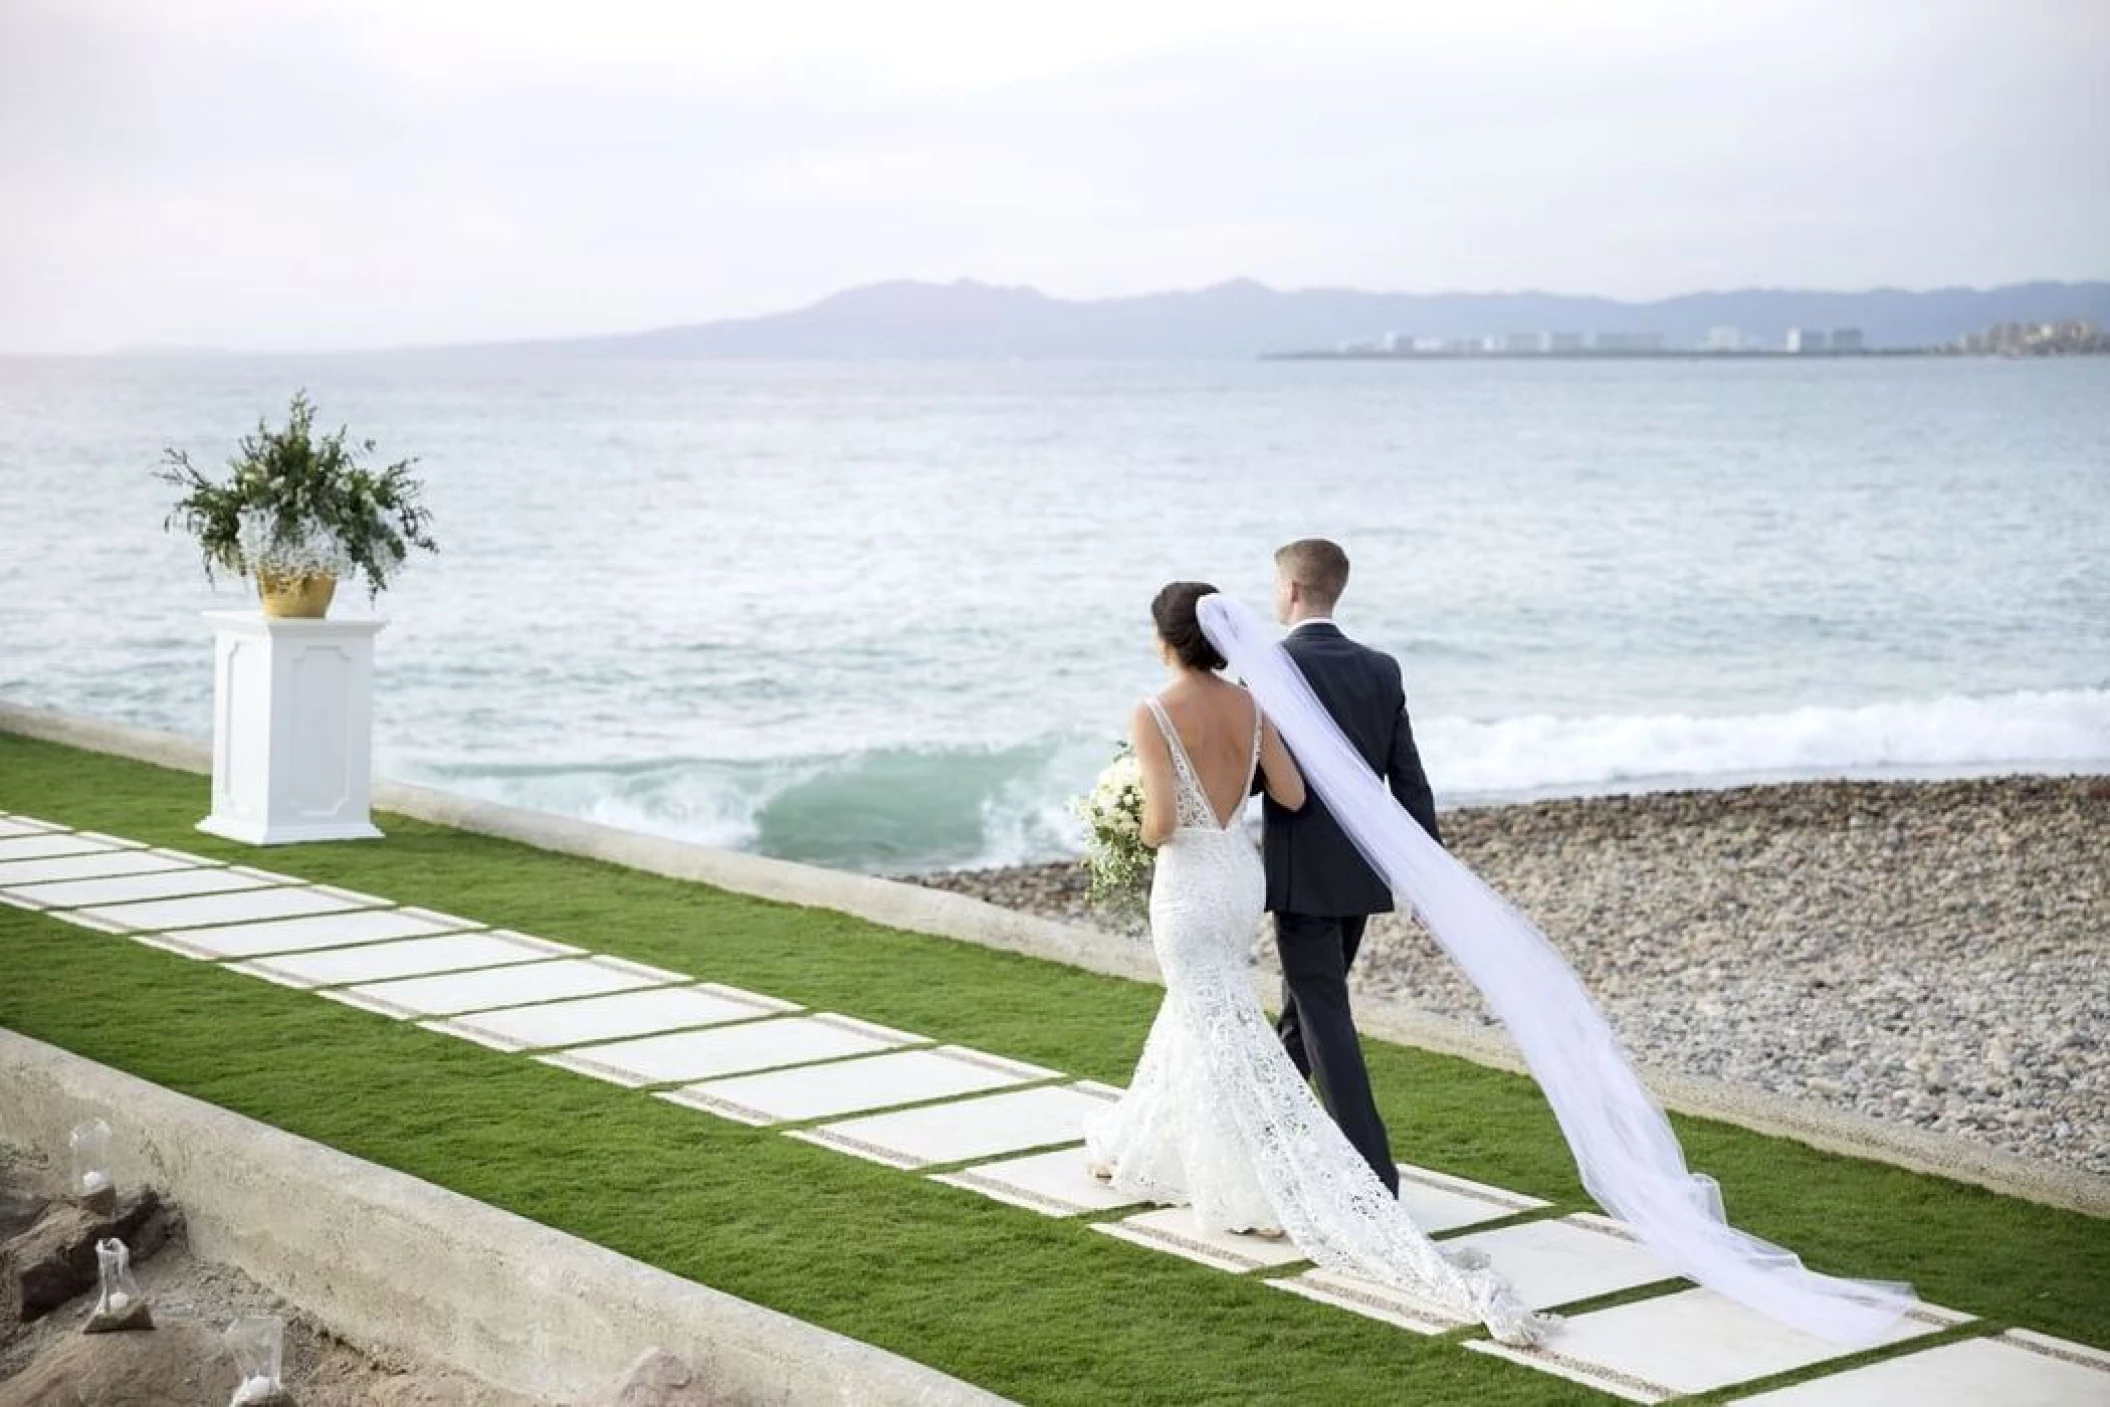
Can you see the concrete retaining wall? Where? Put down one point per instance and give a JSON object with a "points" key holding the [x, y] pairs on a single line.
{"points": [[921, 910], [388, 1261]]}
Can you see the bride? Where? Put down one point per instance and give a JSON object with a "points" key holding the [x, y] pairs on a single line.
{"points": [[1216, 1115]]}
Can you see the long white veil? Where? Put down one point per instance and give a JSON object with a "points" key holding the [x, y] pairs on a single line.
{"points": [[1624, 1147]]}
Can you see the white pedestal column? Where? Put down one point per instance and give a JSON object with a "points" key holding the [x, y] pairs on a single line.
{"points": [[292, 731]]}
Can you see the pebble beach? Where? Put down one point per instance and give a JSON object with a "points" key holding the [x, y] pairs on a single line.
{"points": [[1935, 953]]}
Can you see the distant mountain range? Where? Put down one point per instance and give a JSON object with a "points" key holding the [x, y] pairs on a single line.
{"points": [[1243, 319]]}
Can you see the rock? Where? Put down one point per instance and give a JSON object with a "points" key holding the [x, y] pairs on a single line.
{"points": [[19, 1210], [54, 1260], [659, 1379]]}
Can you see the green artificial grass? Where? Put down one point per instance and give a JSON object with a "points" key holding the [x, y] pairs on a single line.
{"points": [[1042, 1310]]}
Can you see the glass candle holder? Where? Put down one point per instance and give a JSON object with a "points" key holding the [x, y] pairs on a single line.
{"points": [[120, 1305], [119, 1290], [90, 1146], [258, 1344]]}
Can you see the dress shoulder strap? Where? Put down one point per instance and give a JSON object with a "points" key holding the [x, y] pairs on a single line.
{"points": [[1252, 766], [1171, 734], [1191, 801]]}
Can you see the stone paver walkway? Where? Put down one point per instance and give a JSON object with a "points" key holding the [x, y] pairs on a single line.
{"points": [[969, 1119]]}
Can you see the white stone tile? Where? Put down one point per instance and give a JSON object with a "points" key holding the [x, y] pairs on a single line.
{"points": [[2015, 1369], [213, 910], [169, 883], [1692, 1341], [415, 957], [41, 847], [968, 1130], [2079, 1353], [1175, 1230], [292, 935], [293, 879], [117, 841], [98, 865], [1573, 1258], [483, 990], [1371, 1299], [570, 1023], [188, 858], [686, 1056], [1440, 1202], [875, 1082], [1053, 1184], [77, 917], [12, 826], [1437, 1202]]}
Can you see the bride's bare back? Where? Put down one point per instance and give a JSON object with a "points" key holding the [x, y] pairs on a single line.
{"points": [[1214, 720]]}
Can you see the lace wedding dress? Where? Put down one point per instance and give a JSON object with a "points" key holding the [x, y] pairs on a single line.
{"points": [[1217, 1117]]}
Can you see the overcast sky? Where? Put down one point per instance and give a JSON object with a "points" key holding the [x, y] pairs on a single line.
{"points": [[351, 173]]}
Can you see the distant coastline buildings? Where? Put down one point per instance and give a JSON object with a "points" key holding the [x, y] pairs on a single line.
{"points": [[2034, 339], [1723, 340], [2072, 338], [1626, 342], [1839, 341]]}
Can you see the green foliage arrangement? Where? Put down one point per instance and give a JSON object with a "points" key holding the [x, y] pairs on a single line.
{"points": [[299, 504]]}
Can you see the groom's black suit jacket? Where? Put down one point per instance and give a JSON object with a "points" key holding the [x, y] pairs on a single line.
{"points": [[1312, 867]]}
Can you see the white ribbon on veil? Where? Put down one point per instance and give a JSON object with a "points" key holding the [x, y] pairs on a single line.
{"points": [[1624, 1147]]}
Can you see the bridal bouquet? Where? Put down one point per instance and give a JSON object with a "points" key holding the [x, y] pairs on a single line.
{"points": [[1115, 853]]}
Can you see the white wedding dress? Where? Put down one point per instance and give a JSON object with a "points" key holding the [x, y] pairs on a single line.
{"points": [[1217, 1118]]}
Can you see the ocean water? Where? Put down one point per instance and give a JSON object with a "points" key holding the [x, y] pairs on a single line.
{"points": [[891, 616]]}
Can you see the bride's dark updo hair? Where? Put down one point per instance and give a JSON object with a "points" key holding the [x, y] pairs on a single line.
{"points": [[1179, 627]]}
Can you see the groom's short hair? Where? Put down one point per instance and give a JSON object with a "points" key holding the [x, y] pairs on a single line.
{"points": [[1317, 565]]}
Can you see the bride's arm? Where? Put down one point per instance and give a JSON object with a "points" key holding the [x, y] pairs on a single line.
{"points": [[1285, 784], [1161, 812]]}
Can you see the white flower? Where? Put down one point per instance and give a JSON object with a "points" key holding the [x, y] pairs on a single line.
{"points": [[1119, 862]]}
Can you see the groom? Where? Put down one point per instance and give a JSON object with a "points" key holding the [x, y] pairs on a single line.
{"points": [[1318, 887]]}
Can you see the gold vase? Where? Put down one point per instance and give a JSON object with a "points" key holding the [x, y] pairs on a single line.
{"points": [[296, 597]]}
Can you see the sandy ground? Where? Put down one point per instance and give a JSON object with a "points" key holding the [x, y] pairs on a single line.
{"points": [[51, 1363]]}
